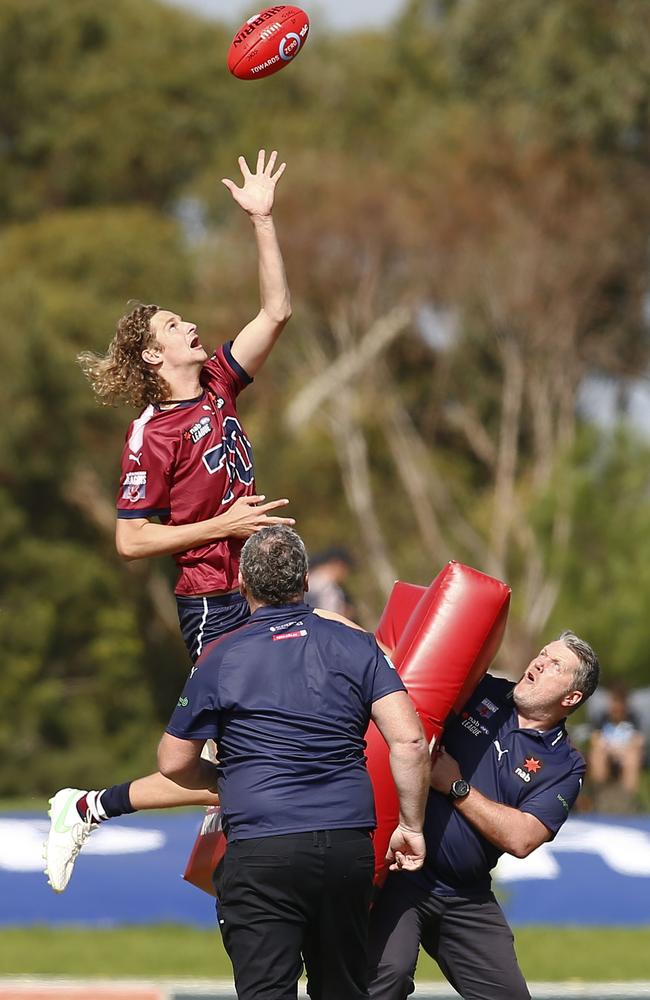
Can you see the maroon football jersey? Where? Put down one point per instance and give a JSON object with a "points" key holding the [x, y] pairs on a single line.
{"points": [[187, 464]]}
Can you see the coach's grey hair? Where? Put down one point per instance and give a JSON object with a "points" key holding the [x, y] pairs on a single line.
{"points": [[274, 565], [587, 672]]}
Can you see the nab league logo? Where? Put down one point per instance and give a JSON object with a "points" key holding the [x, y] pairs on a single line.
{"points": [[528, 769], [198, 430]]}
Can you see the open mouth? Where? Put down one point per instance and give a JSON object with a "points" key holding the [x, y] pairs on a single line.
{"points": [[195, 342], [530, 676]]}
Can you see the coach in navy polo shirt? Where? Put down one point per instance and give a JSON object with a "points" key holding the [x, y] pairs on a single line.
{"points": [[288, 697], [504, 783]]}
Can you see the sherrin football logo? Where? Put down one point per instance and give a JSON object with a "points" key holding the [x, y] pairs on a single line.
{"points": [[268, 41]]}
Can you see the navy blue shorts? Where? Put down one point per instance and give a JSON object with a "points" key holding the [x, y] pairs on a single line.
{"points": [[204, 619]]}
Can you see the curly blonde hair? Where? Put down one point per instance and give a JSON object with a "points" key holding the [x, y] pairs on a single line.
{"points": [[121, 375]]}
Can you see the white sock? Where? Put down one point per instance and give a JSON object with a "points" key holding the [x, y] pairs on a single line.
{"points": [[95, 808]]}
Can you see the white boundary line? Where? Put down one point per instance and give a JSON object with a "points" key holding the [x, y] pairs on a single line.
{"points": [[223, 988]]}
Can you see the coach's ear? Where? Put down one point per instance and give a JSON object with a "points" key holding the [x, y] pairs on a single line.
{"points": [[572, 699], [241, 585]]}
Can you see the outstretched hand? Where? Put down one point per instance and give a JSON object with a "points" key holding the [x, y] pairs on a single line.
{"points": [[258, 190]]}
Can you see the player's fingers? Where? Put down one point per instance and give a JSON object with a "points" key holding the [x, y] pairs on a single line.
{"points": [[243, 166], [232, 187], [280, 520], [260, 161], [268, 170], [278, 173], [272, 504]]}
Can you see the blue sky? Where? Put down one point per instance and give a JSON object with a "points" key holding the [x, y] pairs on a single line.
{"points": [[337, 13]]}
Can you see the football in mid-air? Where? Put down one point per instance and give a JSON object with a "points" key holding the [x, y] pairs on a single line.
{"points": [[267, 42]]}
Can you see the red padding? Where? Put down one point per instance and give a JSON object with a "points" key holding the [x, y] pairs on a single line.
{"points": [[443, 650], [401, 604]]}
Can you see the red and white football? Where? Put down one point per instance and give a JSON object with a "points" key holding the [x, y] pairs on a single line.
{"points": [[267, 42]]}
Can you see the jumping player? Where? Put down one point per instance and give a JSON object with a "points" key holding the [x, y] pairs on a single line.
{"points": [[188, 462]]}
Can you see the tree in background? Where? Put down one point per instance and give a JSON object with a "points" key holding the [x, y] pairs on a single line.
{"points": [[466, 221]]}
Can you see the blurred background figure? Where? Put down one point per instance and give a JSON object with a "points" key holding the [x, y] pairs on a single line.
{"points": [[616, 754], [328, 571]]}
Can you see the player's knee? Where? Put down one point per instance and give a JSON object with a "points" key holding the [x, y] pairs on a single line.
{"points": [[392, 978]]}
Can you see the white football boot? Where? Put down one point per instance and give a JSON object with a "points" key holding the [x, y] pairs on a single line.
{"points": [[68, 834]]}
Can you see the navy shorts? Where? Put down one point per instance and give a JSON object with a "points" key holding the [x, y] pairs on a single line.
{"points": [[204, 619]]}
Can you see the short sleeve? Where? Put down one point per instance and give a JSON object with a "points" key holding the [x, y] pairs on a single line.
{"points": [[552, 803], [196, 714], [383, 678], [147, 461], [223, 374]]}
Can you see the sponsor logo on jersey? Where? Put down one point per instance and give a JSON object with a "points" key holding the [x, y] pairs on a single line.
{"points": [[284, 627], [486, 708], [528, 769], [300, 634], [135, 458], [198, 430], [473, 725], [134, 487], [182, 703], [499, 750]]}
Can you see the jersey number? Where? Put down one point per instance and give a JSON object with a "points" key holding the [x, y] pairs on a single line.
{"points": [[235, 454]]}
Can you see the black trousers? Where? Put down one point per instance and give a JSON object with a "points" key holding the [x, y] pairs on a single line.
{"points": [[293, 898], [469, 939]]}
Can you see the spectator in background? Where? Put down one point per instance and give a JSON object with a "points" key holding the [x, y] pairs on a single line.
{"points": [[328, 571], [616, 751]]}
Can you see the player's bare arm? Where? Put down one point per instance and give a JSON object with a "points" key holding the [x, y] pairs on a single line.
{"points": [[256, 196], [181, 761], [139, 538], [515, 832]]}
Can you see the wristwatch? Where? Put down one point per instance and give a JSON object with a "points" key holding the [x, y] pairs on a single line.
{"points": [[459, 789]]}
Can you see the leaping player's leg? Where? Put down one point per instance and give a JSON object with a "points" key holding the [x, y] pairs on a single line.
{"points": [[75, 813]]}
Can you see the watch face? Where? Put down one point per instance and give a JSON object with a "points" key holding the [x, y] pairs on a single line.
{"points": [[459, 789]]}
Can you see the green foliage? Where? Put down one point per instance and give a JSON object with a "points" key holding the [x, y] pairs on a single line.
{"points": [[606, 571], [485, 161], [101, 105]]}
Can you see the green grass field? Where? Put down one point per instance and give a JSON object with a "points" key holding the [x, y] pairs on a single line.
{"points": [[170, 952]]}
